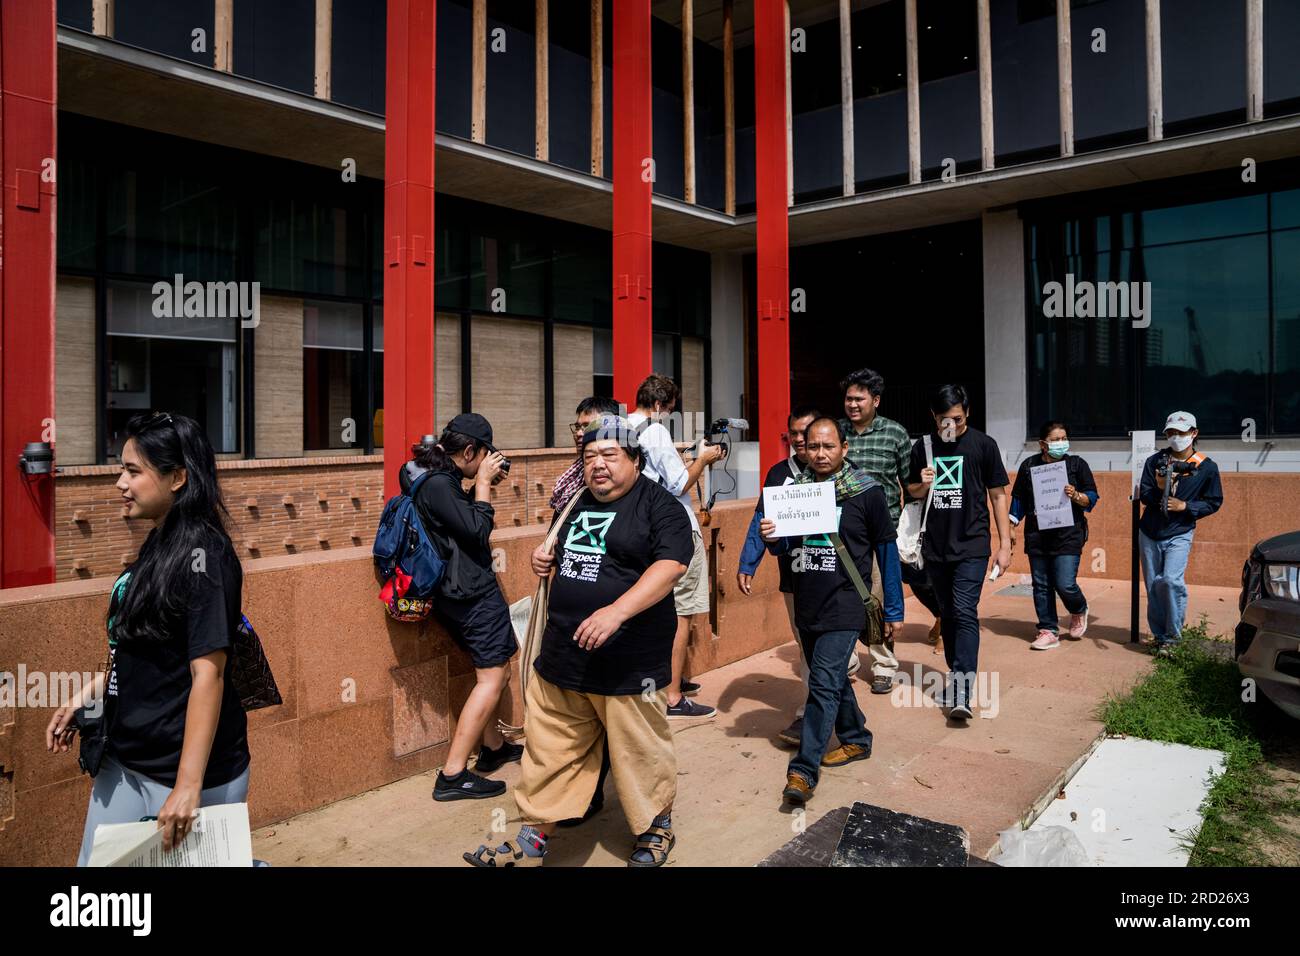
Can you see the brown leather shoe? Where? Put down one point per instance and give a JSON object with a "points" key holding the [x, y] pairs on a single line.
{"points": [[845, 754], [797, 790]]}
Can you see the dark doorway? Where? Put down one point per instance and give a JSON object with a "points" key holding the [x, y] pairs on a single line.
{"points": [[909, 304]]}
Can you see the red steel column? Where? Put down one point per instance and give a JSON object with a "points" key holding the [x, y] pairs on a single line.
{"points": [[633, 186], [28, 90], [773, 272], [408, 233]]}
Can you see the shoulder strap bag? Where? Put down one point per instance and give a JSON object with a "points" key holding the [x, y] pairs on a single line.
{"points": [[874, 632]]}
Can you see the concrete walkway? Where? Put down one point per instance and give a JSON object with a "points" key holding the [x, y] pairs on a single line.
{"points": [[1039, 718]]}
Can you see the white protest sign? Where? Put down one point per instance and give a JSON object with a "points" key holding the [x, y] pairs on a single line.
{"points": [[1051, 507], [801, 509], [1144, 446]]}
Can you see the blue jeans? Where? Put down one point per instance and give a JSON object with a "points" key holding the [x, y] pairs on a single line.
{"points": [[1055, 574], [831, 702], [957, 585], [1163, 565]]}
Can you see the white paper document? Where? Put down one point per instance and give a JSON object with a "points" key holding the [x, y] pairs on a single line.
{"points": [[1144, 446], [1051, 507], [220, 837], [802, 509]]}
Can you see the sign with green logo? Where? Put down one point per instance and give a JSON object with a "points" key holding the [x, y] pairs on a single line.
{"points": [[948, 473], [587, 533]]}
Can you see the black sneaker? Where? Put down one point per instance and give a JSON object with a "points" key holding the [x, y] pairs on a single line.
{"points": [[792, 734], [490, 760], [688, 708], [466, 785], [689, 688]]}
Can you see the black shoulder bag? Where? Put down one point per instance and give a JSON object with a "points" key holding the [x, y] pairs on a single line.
{"points": [[874, 632]]}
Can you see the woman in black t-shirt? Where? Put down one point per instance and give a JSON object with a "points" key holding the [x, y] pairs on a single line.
{"points": [[469, 602], [1054, 552], [177, 736]]}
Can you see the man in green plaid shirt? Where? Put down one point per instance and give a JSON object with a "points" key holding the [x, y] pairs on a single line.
{"points": [[880, 447]]}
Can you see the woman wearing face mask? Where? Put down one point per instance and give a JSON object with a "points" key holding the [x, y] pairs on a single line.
{"points": [[1054, 552], [177, 736]]}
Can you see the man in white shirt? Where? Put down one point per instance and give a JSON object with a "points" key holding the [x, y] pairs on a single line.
{"points": [[656, 398]]}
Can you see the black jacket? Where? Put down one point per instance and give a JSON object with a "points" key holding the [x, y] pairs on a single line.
{"points": [[460, 527]]}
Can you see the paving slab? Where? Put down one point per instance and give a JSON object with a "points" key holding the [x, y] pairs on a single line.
{"points": [[731, 770]]}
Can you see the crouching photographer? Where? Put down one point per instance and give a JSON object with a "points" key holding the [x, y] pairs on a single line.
{"points": [[1179, 487]]}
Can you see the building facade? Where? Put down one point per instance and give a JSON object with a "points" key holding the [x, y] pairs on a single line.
{"points": [[1081, 210]]}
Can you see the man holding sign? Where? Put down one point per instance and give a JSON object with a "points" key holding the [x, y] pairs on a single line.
{"points": [[1052, 493], [829, 595]]}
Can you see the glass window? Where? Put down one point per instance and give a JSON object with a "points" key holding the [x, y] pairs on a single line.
{"points": [[511, 76], [1286, 333], [77, 14], [947, 60], [334, 406], [1227, 217], [276, 43], [168, 26], [455, 67], [1026, 104], [569, 66], [1209, 332], [1110, 84], [1281, 57], [1203, 57], [377, 367], [357, 57], [1212, 344], [170, 218], [508, 274], [879, 95], [580, 282], [160, 359], [602, 362]]}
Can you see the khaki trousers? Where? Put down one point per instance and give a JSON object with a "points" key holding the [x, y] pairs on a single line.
{"points": [[565, 733]]}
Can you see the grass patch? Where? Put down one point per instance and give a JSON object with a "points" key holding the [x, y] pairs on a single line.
{"points": [[1194, 698]]}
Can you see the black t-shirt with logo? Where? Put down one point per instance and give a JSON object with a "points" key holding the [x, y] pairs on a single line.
{"points": [[957, 525], [825, 598], [149, 686], [1053, 541], [600, 553]]}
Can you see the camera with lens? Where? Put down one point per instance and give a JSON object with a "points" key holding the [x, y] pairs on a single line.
{"points": [[1169, 469], [722, 429], [1173, 465]]}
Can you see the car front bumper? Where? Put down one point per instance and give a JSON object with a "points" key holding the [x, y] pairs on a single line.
{"points": [[1273, 658]]}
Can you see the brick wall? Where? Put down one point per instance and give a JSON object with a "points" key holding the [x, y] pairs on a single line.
{"points": [[277, 507]]}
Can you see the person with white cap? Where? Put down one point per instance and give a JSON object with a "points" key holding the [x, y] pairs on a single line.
{"points": [[1169, 521]]}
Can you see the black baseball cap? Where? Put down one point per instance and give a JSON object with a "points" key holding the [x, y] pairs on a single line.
{"points": [[475, 426]]}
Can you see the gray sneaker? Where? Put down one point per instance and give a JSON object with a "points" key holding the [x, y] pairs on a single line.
{"points": [[689, 708]]}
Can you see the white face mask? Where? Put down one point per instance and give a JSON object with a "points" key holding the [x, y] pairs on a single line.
{"points": [[1180, 442]]}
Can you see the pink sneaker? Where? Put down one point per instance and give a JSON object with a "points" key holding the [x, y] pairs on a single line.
{"points": [[1079, 624], [1045, 641]]}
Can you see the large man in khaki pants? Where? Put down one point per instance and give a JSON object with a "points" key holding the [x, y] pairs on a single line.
{"points": [[606, 657]]}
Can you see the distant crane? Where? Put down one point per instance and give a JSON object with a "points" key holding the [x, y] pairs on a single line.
{"points": [[1194, 337]]}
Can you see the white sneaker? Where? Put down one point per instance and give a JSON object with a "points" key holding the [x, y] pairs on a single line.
{"points": [[1045, 641]]}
